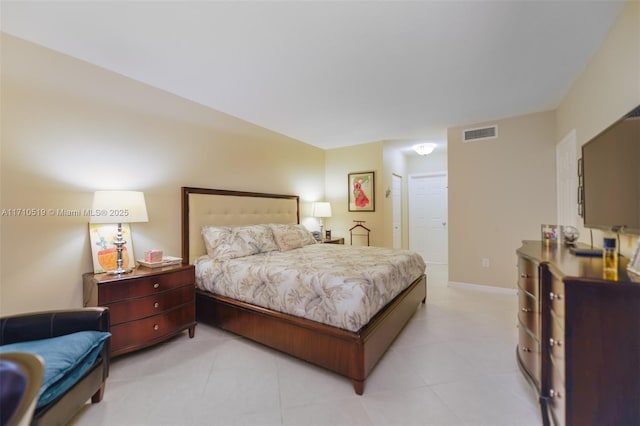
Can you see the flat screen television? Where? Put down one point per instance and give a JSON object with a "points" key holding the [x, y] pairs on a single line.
{"points": [[611, 177]]}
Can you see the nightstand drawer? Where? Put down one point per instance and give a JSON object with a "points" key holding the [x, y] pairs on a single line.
{"points": [[147, 305], [137, 334], [145, 286], [333, 241], [132, 309]]}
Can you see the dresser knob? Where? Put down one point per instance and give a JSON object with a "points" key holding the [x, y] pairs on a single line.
{"points": [[554, 296], [156, 285], [156, 305], [156, 327], [554, 394], [525, 349], [523, 275], [553, 342], [527, 310]]}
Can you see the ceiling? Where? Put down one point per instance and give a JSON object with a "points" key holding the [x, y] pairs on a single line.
{"points": [[335, 73]]}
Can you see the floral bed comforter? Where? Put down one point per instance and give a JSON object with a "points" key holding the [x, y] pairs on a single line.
{"points": [[337, 285]]}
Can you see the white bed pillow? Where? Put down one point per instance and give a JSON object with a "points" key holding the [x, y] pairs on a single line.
{"points": [[215, 237], [259, 236], [289, 237], [231, 242], [224, 243]]}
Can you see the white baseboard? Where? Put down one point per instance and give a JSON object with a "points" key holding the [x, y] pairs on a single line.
{"points": [[481, 287]]}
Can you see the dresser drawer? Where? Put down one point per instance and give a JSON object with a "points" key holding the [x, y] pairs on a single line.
{"points": [[136, 334], [141, 307], [528, 276], [144, 286], [557, 396], [529, 352], [528, 312], [556, 297], [557, 338]]}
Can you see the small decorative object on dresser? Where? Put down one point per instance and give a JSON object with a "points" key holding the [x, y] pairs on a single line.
{"points": [[549, 234], [570, 235], [147, 306]]}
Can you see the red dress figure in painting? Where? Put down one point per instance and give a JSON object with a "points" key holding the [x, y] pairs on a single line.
{"points": [[360, 197]]}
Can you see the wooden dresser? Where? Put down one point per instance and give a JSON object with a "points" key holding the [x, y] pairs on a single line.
{"points": [[580, 346], [147, 305]]}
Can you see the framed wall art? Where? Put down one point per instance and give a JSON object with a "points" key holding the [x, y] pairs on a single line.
{"points": [[362, 192], [103, 249]]}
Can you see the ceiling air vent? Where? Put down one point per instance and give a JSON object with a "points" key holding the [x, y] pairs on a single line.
{"points": [[472, 135]]}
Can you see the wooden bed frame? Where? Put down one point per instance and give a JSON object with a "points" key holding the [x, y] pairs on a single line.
{"points": [[351, 354]]}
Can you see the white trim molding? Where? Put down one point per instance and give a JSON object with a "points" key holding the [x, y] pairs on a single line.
{"points": [[484, 288]]}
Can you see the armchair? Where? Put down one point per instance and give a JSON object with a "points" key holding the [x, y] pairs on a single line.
{"points": [[52, 334]]}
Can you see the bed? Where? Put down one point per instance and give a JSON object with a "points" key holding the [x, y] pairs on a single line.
{"points": [[350, 353]]}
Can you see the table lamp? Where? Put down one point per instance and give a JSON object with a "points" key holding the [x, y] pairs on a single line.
{"points": [[321, 209], [118, 207]]}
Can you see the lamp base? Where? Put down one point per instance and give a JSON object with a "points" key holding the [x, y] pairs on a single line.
{"points": [[119, 242]]}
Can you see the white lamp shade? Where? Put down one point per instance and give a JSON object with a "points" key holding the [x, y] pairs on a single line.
{"points": [[321, 209], [118, 207]]}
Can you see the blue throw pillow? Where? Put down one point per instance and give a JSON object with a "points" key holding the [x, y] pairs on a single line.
{"points": [[66, 359]]}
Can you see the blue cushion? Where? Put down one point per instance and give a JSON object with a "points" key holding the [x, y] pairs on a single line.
{"points": [[66, 359]]}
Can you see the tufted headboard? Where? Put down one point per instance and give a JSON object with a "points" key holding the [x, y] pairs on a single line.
{"points": [[201, 206]]}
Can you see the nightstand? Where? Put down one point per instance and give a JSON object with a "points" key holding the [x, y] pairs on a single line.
{"points": [[333, 241], [148, 305]]}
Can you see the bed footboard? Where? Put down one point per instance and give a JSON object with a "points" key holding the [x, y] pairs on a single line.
{"points": [[350, 354]]}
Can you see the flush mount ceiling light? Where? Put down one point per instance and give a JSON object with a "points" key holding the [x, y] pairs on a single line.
{"points": [[424, 148]]}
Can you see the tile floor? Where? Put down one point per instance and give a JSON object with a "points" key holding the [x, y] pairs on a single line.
{"points": [[454, 364]]}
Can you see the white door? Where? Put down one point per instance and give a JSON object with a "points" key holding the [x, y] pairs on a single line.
{"points": [[396, 193], [567, 180], [428, 210]]}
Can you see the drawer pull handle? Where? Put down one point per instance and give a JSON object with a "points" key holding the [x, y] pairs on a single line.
{"points": [[523, 275], [156, 305], [554, 342], [525, 349], [526, 310], [156, 285], [156, 327], [555, 296], [554, 394]]}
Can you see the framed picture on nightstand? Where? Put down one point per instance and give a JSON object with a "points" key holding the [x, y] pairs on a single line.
{"points": [[103, 250]]}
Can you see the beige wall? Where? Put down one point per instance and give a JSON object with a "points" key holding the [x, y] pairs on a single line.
{"points": [[500, 191], [498, 198], [70, 128], [608, 88], [394, 161]]}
